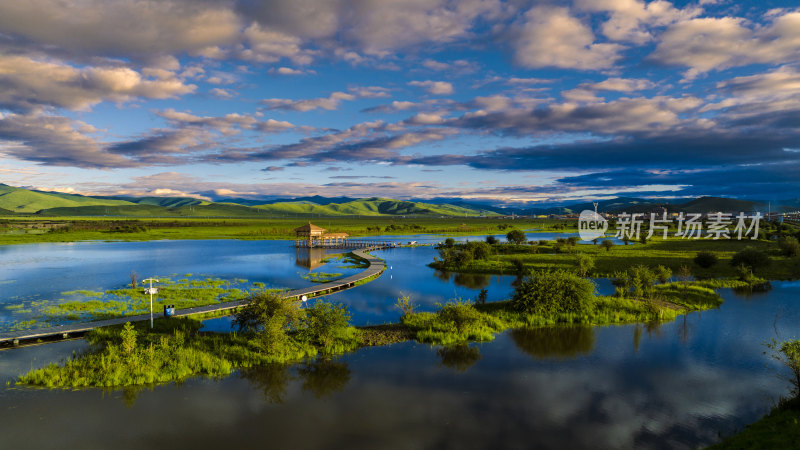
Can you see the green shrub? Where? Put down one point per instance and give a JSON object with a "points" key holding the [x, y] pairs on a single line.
{"points": [[788, 354], [663, 274], [481, 299], [705, 259], [479, 250], [585, 263], [461, 315], [271, 317], [128, 335], [516, 237], [326, 325], [405, 305], [606, 244], [519, 266], [789, 246], [554, 292], [750, 257], [642, 279]]}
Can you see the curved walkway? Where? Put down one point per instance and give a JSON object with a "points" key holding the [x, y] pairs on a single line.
{"points": [[376, 267]]}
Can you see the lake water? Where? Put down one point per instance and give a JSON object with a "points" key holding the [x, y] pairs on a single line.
{"points": [[673, 385]]}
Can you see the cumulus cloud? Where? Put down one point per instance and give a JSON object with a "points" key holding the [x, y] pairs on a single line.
{"points": [[630, 20], [434, 87], [552, 37], [367, 141], [457, 66], [329, 103], [267, 45], [620, 85], [29, 83], [287, 71], [129, 28], [56, 141], [764, 93], [624, 115], [223, 94], [710, 43]]}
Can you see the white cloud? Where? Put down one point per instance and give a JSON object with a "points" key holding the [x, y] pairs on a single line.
{"points": [[56, 141], [31, 83], [551, 37], [434, 87], [130, 28], [329, 103], [223, 93], [706, 44], [630, 19]]}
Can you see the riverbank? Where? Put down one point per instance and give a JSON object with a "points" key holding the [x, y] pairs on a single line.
{"points": [[778, 429]]}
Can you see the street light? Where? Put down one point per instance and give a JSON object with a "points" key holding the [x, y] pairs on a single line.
{"points": [[152, 291]]}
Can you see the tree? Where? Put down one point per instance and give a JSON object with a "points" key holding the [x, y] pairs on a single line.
{"points": [[606, 244], [706, 259], [479, 250], [789, 246], [128, 335], [516, 237], [788, 354], [325, 323], [642, 279], [491, 240], [271, 317], [554, 292], [623, 281], [462, 258], [134, 279], [750, 257], [685, 274], [449, 242], [585, 263], [482, 297], [663, 274]]}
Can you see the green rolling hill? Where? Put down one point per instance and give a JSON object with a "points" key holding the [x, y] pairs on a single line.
{"points": [[24, 201], [370, 207], [29, 201], [18, 200], [168, 202]]}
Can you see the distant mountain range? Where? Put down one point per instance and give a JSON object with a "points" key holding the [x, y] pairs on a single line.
{"points": [[25, 201]]}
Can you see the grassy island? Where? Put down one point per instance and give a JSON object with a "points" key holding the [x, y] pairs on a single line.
{"points": [[272, 329]]}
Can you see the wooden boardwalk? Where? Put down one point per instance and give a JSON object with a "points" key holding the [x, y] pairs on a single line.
{"points": [[376, 267]]}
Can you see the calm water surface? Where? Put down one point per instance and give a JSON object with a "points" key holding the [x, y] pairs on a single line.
{"points": [[675, 385]]}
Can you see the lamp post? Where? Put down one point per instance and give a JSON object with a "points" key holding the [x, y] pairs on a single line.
{"points": [[152, 291]]}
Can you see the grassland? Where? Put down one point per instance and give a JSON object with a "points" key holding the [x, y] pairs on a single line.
{"points": [[778, 429], [25, 201], [98, 305], [21, 230], [671, 253]]}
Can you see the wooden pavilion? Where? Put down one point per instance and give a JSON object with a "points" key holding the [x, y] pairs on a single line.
{"points": [[310, 235]]}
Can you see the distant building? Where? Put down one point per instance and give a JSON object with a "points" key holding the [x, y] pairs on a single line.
{"points": [[310, 235]]}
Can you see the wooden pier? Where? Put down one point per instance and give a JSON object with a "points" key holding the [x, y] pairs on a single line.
{"points": [[375, 268]]}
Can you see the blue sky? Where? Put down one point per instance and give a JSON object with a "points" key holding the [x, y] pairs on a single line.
{"points": [[503, 102]]}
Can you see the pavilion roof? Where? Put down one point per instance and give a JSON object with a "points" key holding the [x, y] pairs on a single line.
{"points": [[309, 227]]}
